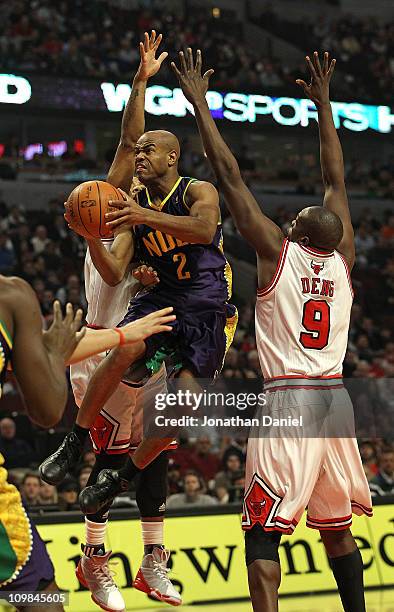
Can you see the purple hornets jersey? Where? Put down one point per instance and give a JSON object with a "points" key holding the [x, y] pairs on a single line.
{"points": [[181, 265]]}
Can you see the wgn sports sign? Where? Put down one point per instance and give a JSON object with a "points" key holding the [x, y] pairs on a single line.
{"points": [[88, 95], [241, 107]]}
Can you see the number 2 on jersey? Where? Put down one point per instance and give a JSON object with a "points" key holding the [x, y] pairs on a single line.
{"points": [[182, 274], [316, 320]]}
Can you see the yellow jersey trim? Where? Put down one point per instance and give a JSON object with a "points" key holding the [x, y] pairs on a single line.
{"points": [[15, 522], [160, 206], [6, 334], [192, 180]]}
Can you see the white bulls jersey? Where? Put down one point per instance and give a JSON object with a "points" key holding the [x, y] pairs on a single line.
{"points": [[106, 305], [303, 315], [118, 427]]}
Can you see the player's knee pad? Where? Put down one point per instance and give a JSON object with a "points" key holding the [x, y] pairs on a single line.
{"points": [[151, 487], [260, 544]]}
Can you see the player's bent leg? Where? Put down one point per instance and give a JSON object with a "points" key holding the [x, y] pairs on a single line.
{"points": [[111, 482], [151, 492], [347, 566], [105, 381], [102, 385], [262, 560], [93, 570]]}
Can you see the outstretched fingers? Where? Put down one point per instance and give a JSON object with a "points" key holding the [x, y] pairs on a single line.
{"points": [[183, 62], [207, 75], [156, 43], [302, 84], [316, 62], [325, 62], [331, 68], [198, 65], [57, 313], [175, 69], [311, 67], [77, 320], [190, 61]]}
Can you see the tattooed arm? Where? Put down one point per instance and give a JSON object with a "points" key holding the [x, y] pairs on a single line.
{"points": [[133, 122]]}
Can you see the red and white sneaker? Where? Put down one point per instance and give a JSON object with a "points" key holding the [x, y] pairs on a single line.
{"points": [[152, 578], [94, 574]]}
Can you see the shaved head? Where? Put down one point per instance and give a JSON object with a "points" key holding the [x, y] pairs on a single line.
{"points": [[165, 139], [318, 227]]}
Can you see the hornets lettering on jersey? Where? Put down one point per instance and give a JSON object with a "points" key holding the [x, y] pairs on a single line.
{"points": [[196, 280], [179, 263]]}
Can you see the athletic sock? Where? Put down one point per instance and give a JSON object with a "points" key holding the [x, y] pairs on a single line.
{"points": [[348, 573], [152, 535], [129, 470], [81, 433], [95, 536]]}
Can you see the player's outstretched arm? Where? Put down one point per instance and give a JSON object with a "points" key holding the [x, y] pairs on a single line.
{"points": [[331, 157], [99, 340], [262, 233], [38, 359], [133, 122]]}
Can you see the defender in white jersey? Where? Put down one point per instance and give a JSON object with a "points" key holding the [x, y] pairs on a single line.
{"points": [[302, 320], [118, 427], [117, 431]]}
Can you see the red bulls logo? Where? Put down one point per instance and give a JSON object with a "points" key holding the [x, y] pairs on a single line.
{"points": [[258, 504], [101, 432], [317, 267]]}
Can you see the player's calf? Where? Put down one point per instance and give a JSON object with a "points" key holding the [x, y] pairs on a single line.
{"points": [[347, 566], [262, 560]]}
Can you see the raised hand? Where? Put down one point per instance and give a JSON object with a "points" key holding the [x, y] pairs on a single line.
{"points": [[154, 323], [193, 84], [318, 89], [63, 336], [149, 64]]}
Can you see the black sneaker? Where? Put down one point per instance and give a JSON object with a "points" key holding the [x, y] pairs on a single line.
{"points": [[54, 469], [109, 484]]}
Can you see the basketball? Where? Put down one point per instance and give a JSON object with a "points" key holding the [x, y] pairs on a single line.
{"points": [[88, 204]]}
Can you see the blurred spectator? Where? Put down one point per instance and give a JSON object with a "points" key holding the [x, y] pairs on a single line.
{"points": [[83, 475], [30, 489], [230, 478], [383, 482], [7, 255], [89, 458], [40, 239], [68, 494], [56, 45], [193, 487], [203, 460], [362, 45], [17, 453], [47, 495], [368, 456], [174, 477]]}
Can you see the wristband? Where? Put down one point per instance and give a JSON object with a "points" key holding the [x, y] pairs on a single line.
{"points": [[122, 338]]}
